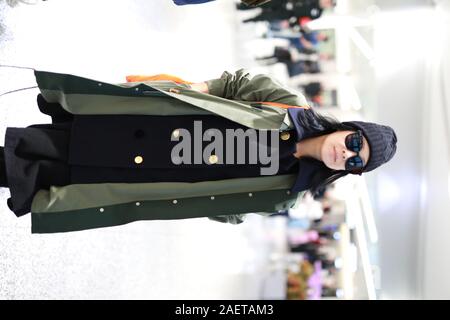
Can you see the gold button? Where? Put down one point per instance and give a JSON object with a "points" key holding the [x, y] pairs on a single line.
{"points": [[138, 159], [213, 159], [173, 90], [285, 136], [175, 133]]}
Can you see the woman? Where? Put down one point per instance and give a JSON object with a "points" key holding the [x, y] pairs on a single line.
{"points": [[296, 63], [112, 153], [291, 10]]}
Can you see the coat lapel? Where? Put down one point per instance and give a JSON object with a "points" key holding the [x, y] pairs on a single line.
{"points": [[79, 95]]}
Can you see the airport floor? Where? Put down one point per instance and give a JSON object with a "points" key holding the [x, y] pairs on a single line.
{"points": [[106, 40], [404, 86]]}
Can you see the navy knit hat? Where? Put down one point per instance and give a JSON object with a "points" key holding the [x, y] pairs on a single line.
{"points": [[382, 142]]}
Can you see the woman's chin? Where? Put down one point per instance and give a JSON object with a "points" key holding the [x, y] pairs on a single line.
{"points": [[331, 165]]}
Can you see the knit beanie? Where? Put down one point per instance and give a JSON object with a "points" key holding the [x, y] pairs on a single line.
{"points": [[382, 142]]}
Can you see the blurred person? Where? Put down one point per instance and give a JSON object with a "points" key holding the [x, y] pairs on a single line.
{"points": [[329, 291], [308, 42], [267, 4], [107, 157], [326, 263], [313, 89], [307, 208], [290, 27], [296, 238], [296, 63], [280, 55], [313, 92], [303, 42], [315, 245], [290, 54], [293, 10], [303, 66], [327, 234]]}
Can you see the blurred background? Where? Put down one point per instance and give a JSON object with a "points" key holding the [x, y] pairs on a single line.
{"points": [[381, 236]]}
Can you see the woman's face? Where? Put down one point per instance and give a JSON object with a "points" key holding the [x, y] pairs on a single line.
{"points": [[334, 153]]}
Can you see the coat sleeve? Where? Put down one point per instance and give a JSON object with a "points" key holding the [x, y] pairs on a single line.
{"points": [[242, 86]]}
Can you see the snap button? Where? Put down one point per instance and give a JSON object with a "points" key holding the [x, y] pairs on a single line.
{"points": [[174, 201], [138, 204], [138, 160], [212, 197], [250, 194], [176, 133], [173, 90], [101, 210], [285, 136]]}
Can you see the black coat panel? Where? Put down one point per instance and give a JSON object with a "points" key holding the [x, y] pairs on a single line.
{"points": [[104, 149]]}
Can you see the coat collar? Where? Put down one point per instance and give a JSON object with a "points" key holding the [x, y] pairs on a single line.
{"points": [[307, 167]]}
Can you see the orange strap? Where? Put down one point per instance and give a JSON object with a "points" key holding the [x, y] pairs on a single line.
{"points": [[157, 77], [284, 106]]}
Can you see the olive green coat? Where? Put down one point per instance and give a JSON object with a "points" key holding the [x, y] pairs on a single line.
{"points": [[237, 97]]}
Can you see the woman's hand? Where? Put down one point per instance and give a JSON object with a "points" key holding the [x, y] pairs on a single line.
{"points": [[201, 87]]}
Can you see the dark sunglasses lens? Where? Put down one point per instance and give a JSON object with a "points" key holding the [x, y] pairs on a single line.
{"points": [[354, 141], [354, 163]]}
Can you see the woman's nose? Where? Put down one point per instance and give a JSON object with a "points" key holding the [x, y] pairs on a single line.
{"points": [[348, 154]]}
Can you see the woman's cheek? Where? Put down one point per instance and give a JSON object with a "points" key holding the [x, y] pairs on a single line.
{"points": [[330, 164]]}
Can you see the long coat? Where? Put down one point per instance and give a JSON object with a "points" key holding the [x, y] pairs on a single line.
{"points": [[254, 102]]}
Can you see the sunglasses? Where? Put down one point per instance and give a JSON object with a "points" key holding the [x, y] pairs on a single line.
{"points": [[354, 142]]}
